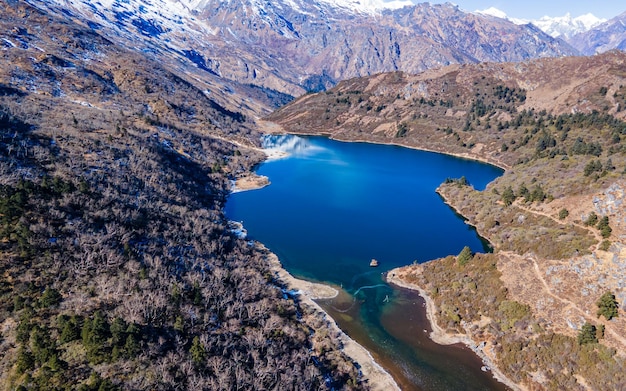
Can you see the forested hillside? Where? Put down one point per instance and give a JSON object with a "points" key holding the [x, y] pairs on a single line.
{"points": [[118, 269]]}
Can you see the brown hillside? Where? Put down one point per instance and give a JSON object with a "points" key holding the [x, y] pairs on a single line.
{"points": [[460, 97], [118, 268]]}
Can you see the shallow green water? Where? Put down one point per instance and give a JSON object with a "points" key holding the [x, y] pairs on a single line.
{"points": [[332, 207]]}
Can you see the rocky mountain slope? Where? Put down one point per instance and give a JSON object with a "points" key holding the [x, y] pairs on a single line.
{"points": [[118, 268], [607, 36], [555, 218], [295, 46]]}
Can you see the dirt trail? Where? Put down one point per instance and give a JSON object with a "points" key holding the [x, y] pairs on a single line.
{"points": [[566, 302], [595, 233]]}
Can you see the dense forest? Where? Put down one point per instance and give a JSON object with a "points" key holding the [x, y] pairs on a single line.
{"points": [[118, 268]]}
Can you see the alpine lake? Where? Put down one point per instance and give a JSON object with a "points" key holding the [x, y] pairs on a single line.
{"points": [[334, 206]]}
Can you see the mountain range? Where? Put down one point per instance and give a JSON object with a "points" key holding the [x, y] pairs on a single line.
{"points": [[606, 36], [560, 26], [289, 47], [587, 33]]}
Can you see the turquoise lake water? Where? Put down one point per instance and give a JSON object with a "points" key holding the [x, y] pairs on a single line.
{"points": [[332, 207]]}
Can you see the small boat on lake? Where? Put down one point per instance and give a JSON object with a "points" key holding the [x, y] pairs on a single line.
{"points": [[373, 262]]}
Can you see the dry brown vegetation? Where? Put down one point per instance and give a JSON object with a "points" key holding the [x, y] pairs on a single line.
{"points": [[500, 113], [117, 266], [471, 299]]}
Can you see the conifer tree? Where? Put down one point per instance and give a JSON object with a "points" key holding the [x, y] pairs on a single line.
{"points": [[607, 306]]}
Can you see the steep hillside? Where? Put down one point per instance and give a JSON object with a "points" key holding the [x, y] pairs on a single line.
{"points": [[298, 46], [118, 269], [556, 218]]}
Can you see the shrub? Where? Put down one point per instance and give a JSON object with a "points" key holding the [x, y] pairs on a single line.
{"points": [[592, 219], [592, 166], [50, 297], [402, 128], [508, 196], [605, 245], [603, 226], [464, 256], [511, 312]]}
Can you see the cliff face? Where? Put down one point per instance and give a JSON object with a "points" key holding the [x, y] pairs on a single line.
{"points": [[298, 46]]}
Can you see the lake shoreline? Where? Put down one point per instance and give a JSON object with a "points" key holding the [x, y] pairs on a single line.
{"points": [[249, 182], [378, 378], [468, 156], [375, 375], [442, 337], [307, 292]]}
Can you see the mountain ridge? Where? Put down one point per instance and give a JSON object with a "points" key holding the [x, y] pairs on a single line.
{"points": [[119, 270], [606, 36], [292, 47], [564, 26]]}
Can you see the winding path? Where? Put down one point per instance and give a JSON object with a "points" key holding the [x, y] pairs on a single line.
{"points": [[595, 233]]}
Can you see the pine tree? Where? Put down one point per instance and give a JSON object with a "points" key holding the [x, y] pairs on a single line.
{"points": [[508, 196], [131, 347], [607, 306], [592, 219], [603, 226], [25, 360], [587, 334], [49, 298], [118, 331], [69, 329], [197, 351]]}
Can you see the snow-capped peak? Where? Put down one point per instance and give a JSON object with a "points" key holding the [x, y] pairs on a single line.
{"points": [[368, 6], [559, 26], [566, 26], [493, 11]]}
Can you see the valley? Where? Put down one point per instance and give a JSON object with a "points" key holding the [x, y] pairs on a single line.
{"points": [[124, 124]]}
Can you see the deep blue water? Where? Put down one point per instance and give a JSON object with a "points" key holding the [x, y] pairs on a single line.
{"points": [[332, 207]]}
